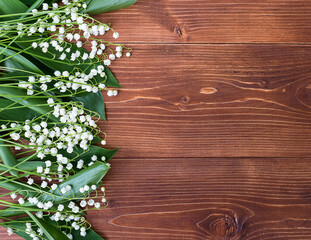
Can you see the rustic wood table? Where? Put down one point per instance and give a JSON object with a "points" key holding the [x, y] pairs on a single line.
{"points": [[213, 121]]}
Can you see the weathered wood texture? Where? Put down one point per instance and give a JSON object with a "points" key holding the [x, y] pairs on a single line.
{"points": [[206, 198], [212, 100], [249, 199], [190, 112], [221, 21]]}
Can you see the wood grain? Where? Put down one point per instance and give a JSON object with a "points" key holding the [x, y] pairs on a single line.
{"points": [[212, 101], [218, 198], [206, 198], [209, 21], [213, 120]]}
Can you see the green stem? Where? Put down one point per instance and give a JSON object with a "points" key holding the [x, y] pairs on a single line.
{"points": [[8, 158]]}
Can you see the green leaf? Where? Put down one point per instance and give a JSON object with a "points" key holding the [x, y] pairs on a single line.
{"points": [[24, 113], [111, 80], [56, 64], [7, 157], [89, 176], [91, 102], [99, 152], [20, 96], [29, 166], [50, 231], [14, 186], [21, 62], [90, 235], [11, 7], [29, 2], [35, 5], [100, 6], [19, 226], [24, 190], [93, 150], [60, 65], [12, 64]]}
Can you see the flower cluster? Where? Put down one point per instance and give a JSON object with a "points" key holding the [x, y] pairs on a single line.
{"points": [[68, 214], [57, 138], [65, 81], [76, 129], [68, 29], [72, 24]]}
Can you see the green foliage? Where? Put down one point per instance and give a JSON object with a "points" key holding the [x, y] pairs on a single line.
{"points": [[11, 7], [90, 235], [9, 113], [89, 176], [18, 61], [20, 228], [17, 58], [20, 96], [100, 6], [91, 101], [7, 157], [50, 231]]}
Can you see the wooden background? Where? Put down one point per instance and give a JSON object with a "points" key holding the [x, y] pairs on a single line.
{"points": [[213, 121]]}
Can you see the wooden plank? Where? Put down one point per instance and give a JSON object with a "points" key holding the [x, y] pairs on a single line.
{"points": [[5, 236], [249, 199], [209, 21], [205, 198], [212, 100]]}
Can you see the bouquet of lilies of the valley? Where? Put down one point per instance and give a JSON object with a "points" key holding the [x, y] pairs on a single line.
{"points": [[50, 102]]}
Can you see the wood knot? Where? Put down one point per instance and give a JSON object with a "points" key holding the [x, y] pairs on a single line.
{"points": [[224, 227], [185, 99], [179, 31], [264, 83], [220, 226], [302, 93]]}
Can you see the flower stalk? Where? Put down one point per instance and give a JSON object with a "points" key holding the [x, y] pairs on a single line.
{"points": [[50, 104]]}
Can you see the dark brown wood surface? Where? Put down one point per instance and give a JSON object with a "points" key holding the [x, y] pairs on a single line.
{"points": [[205, 100], [207, 198], [213, 120], [214, 21]]}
